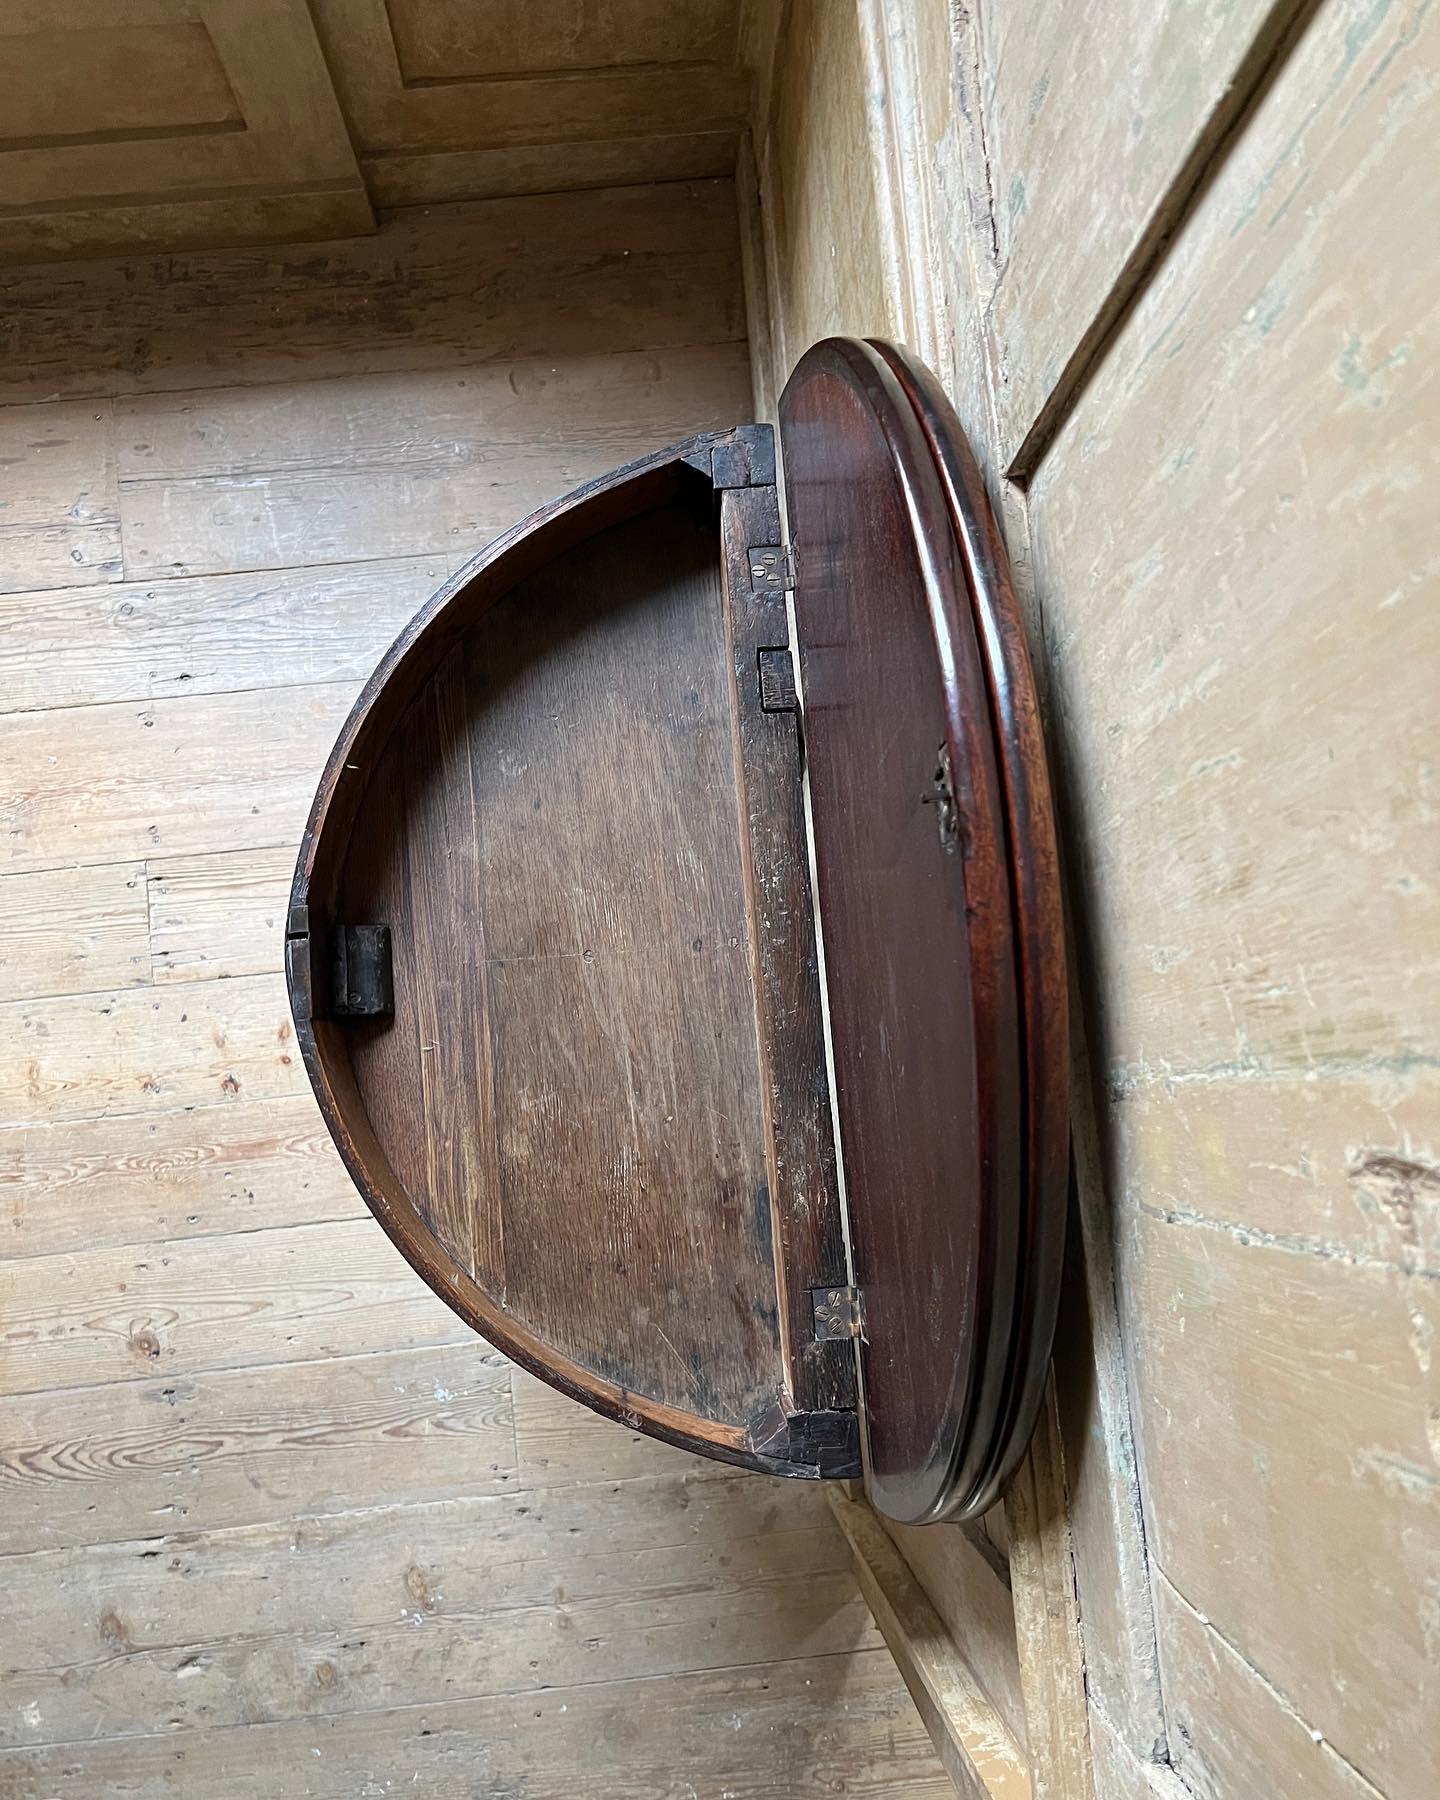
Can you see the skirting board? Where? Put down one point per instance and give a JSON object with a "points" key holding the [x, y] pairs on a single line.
{"points": [[979, 1754]]}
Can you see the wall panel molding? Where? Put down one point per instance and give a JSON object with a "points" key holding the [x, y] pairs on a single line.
{"points": [[187, 123], [446, 100], [168, 122]]}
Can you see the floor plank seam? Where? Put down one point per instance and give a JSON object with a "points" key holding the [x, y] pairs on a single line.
{"points": [[396, 371], [161, 1376], [15, 1751]]}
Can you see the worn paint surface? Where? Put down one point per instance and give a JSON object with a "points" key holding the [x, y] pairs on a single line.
{"points": [[1174, 258], [1233, 549]]}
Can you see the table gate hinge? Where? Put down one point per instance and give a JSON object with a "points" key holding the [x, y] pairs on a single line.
{"points": [[823, 1445], [777, 678], [745, 457], [362, 980], [772, 568], [839, 1313]]}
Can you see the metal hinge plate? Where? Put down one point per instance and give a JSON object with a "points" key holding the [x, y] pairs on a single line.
{"points": [[362, 981], [772, 568], [839, 1313]]}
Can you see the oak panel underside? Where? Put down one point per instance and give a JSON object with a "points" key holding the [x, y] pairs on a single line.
{"points": [[569, 1091]]}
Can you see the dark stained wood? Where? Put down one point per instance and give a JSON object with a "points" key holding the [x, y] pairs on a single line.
{"points": [[913, 852], [627, 1089], [569, 1125], [1039, 915], [598, 1121], [450, 972], [810, 1234], [381, 1051]]}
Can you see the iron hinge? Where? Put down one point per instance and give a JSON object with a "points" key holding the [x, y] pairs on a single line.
{"points": [[745, 457], [776, 670], [362, 980]]}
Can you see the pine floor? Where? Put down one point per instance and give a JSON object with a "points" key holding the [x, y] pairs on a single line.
{"points": [[272, 1521]]}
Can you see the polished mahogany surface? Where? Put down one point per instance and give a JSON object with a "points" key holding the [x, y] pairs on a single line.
{"points": [[1039, 914], [939, 976]]}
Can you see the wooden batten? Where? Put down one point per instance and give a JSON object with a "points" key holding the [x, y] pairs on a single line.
{"points": [[978, 1751]]}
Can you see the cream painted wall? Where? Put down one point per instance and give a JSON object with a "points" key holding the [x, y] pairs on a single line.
{"points": [[1168, 261]]}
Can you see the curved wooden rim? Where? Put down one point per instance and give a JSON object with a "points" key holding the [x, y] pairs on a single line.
{"points": [[485, 579], [941, 1489], [481, 582], [1039, 916]]}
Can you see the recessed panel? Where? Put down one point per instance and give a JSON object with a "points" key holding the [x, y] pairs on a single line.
{"points": [[456, 40], [119, 81]]}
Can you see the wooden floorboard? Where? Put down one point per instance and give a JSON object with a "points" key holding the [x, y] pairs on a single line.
{"points": [[149, 640], [557, 276], [59, 515], [475, 1596], [73, 931], [272, 1520], [389, 465], [195, 1172], [175, 1454], [782, 1731]]}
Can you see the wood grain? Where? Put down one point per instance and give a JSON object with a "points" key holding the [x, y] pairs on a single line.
{"points": [[140, 1459], [1320, 1371], [1216, 1682], [979, 1755], [223, 1224], [607, 1028], [793, 1729], [447, 40], [915, 886], [1242, 746], [967, 1581], [1268, 1069], [59, 511], [437, 175], [119, 115], [559, 1443], [828, 272], [107, 228], [166, 125], [552, 276], [147, 640], [840, 249], [216, 917], [446, 920], [1172, 84], [163, 777], [641, 69], [1047, 1618], [453, 1599], [801, 1164], [139, 1050], [74, 1184], [420, 464], [181, 1308], [72, 930]]}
